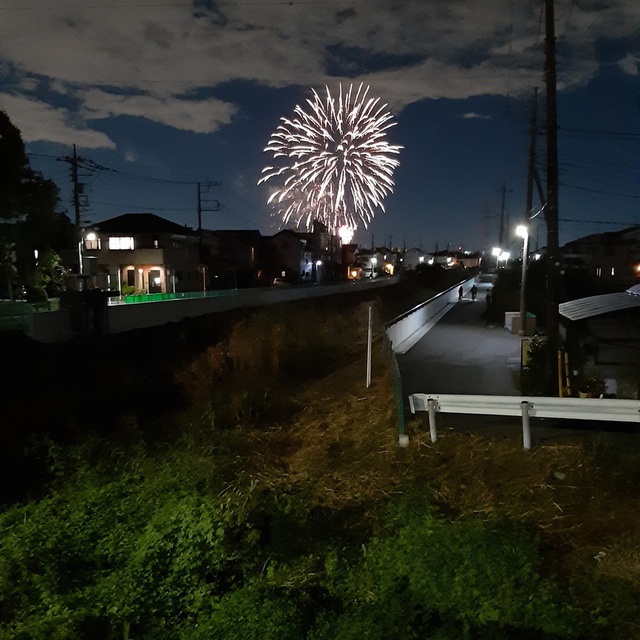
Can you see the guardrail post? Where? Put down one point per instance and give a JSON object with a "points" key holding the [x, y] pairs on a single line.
{"points": [[526, 430], [432, 420]]}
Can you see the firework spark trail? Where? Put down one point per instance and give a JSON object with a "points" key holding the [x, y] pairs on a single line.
{"points": [[333, 161]]}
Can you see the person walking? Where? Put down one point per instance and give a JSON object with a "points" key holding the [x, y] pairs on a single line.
{"points": [[474, 292]]}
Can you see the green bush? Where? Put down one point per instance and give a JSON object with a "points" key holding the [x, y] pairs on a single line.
{"points": [[37, 295]]}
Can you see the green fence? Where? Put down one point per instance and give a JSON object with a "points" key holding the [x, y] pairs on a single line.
{"points": [[14, 316], [157, 297]]}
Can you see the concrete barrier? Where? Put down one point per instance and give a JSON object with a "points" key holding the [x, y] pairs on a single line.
{"points": [[405, 330]]}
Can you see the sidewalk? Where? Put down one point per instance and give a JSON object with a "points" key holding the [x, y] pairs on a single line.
{"points": [[463, 354]]}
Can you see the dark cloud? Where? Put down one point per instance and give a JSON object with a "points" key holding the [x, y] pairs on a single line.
{"points": [[209, 9], [353, 61]]}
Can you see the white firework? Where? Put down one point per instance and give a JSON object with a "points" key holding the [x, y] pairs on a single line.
{"points": [[333, 162]]}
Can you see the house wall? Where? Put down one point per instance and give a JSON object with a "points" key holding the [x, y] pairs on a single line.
{"points": [[175, 260]]}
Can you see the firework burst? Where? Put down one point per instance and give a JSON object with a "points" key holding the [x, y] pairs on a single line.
{"points": [[332, 162]]}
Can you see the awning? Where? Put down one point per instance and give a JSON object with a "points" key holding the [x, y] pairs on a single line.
{"points": [[599, 305]]}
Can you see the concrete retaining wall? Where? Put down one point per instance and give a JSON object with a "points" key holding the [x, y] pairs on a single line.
{"points": [[405, 330], [57, 326]]}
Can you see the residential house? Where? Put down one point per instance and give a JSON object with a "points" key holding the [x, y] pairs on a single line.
{"points": [[387, 265], [326, 251], [372, 262], [469, 259], [288, 257], [610, 259], [233, 258], [447, 259], [412, 258], [141, 252]]}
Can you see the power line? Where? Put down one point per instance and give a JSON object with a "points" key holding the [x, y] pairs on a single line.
{"points": [[601, 131], [606, 193], [137, 208], [610, 222]]}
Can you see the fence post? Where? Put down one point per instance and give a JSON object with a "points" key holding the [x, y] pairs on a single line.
{"points": [[403, 438], [432, 420], [526, 431], [369, 341]]}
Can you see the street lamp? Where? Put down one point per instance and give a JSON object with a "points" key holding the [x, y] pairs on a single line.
{"points": [[523, 232], [496, 252]]}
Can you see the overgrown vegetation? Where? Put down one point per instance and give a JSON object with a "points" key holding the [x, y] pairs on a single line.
{"points": [[276, 504]]}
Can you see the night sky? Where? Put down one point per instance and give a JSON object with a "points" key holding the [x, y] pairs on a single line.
{"points": [[159, 95]]}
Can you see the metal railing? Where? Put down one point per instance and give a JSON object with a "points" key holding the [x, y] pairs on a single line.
{"points": [[605, 409], [185, 295]]}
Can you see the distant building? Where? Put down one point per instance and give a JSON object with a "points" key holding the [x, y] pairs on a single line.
{"points": [[233, 258], [326, 251], [611, 259], [413, 258], [447, 259], [469, 259], [288, 257], [372, 262]]}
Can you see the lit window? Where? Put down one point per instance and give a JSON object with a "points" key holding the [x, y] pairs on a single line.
{"points": [[121, 244], [598, 272], [613, 271]]}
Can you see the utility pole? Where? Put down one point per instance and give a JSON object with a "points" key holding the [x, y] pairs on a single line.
{"points": [[76, 210], [503, 191], [206, 205], [76, 186], [551, 210], [533, 131], [75, 161], [527, 212]]}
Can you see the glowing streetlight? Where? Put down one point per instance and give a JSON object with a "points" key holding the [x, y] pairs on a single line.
{"points": [[523, 232], [496, 251]]}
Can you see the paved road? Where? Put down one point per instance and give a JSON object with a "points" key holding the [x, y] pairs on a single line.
{"points": [[463, 354]]}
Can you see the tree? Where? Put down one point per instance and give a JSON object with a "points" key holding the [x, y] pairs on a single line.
{"points": [[14, 170], [29, 219]]}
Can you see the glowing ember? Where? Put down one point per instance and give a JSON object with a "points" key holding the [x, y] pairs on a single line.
{"points": [[333, 161], [346, 234]]}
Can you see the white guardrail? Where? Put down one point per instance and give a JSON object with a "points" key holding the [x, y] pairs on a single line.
{"points": [[405, 330], [606, 409]]}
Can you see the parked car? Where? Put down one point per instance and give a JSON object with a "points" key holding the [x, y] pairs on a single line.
{"points": [[281, 282]]}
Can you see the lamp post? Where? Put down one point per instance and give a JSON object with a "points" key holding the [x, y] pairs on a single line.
{"points": [[523, 232]]}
